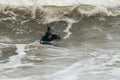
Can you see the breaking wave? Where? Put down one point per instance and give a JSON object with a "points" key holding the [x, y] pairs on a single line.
{"points": [[89, 30], [26, 22]]}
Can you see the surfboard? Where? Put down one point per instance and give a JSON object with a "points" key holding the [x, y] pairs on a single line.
{"points": [[47, 43]]}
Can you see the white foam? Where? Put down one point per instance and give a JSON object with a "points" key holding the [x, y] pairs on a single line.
{"points": [[15, 61], [24, 78], [109, 36], [4, 39], [70, 73], [67, 30], [98, 10], [20, 50], [60, 2], [116, 72], [100, 2]]}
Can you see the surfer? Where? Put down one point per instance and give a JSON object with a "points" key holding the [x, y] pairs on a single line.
{"points": [[48, 37]]}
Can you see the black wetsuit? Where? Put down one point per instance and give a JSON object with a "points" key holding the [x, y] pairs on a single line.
{"points": [[46, 39]]}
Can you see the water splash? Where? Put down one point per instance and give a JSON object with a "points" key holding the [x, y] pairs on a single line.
{"points": [[67, 30], [16, 60]]}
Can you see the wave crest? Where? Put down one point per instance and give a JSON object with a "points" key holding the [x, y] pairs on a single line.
{"points": [[47, 14]]}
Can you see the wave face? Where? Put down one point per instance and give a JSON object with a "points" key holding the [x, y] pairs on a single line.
{"points": [[27, 23], [89, 48]]}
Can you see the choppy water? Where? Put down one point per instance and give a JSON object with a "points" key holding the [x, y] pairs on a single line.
{"points": [[89, 49]]}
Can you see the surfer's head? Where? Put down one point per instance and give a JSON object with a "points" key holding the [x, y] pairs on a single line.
{"points": [[48, 29]]}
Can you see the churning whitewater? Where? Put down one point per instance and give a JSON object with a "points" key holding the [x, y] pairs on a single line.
{"points": [[89, 48]]}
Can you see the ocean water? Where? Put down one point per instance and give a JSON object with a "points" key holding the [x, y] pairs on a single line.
{"points": [[89, 48]]}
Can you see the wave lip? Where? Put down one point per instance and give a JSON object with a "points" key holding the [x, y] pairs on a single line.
{"points": [[47, 14]]}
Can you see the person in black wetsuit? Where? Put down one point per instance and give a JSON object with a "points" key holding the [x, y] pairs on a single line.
{"points": [[48, 37]]}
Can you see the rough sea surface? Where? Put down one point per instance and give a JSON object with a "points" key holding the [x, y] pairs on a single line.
{"points": [[89, 48]]}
